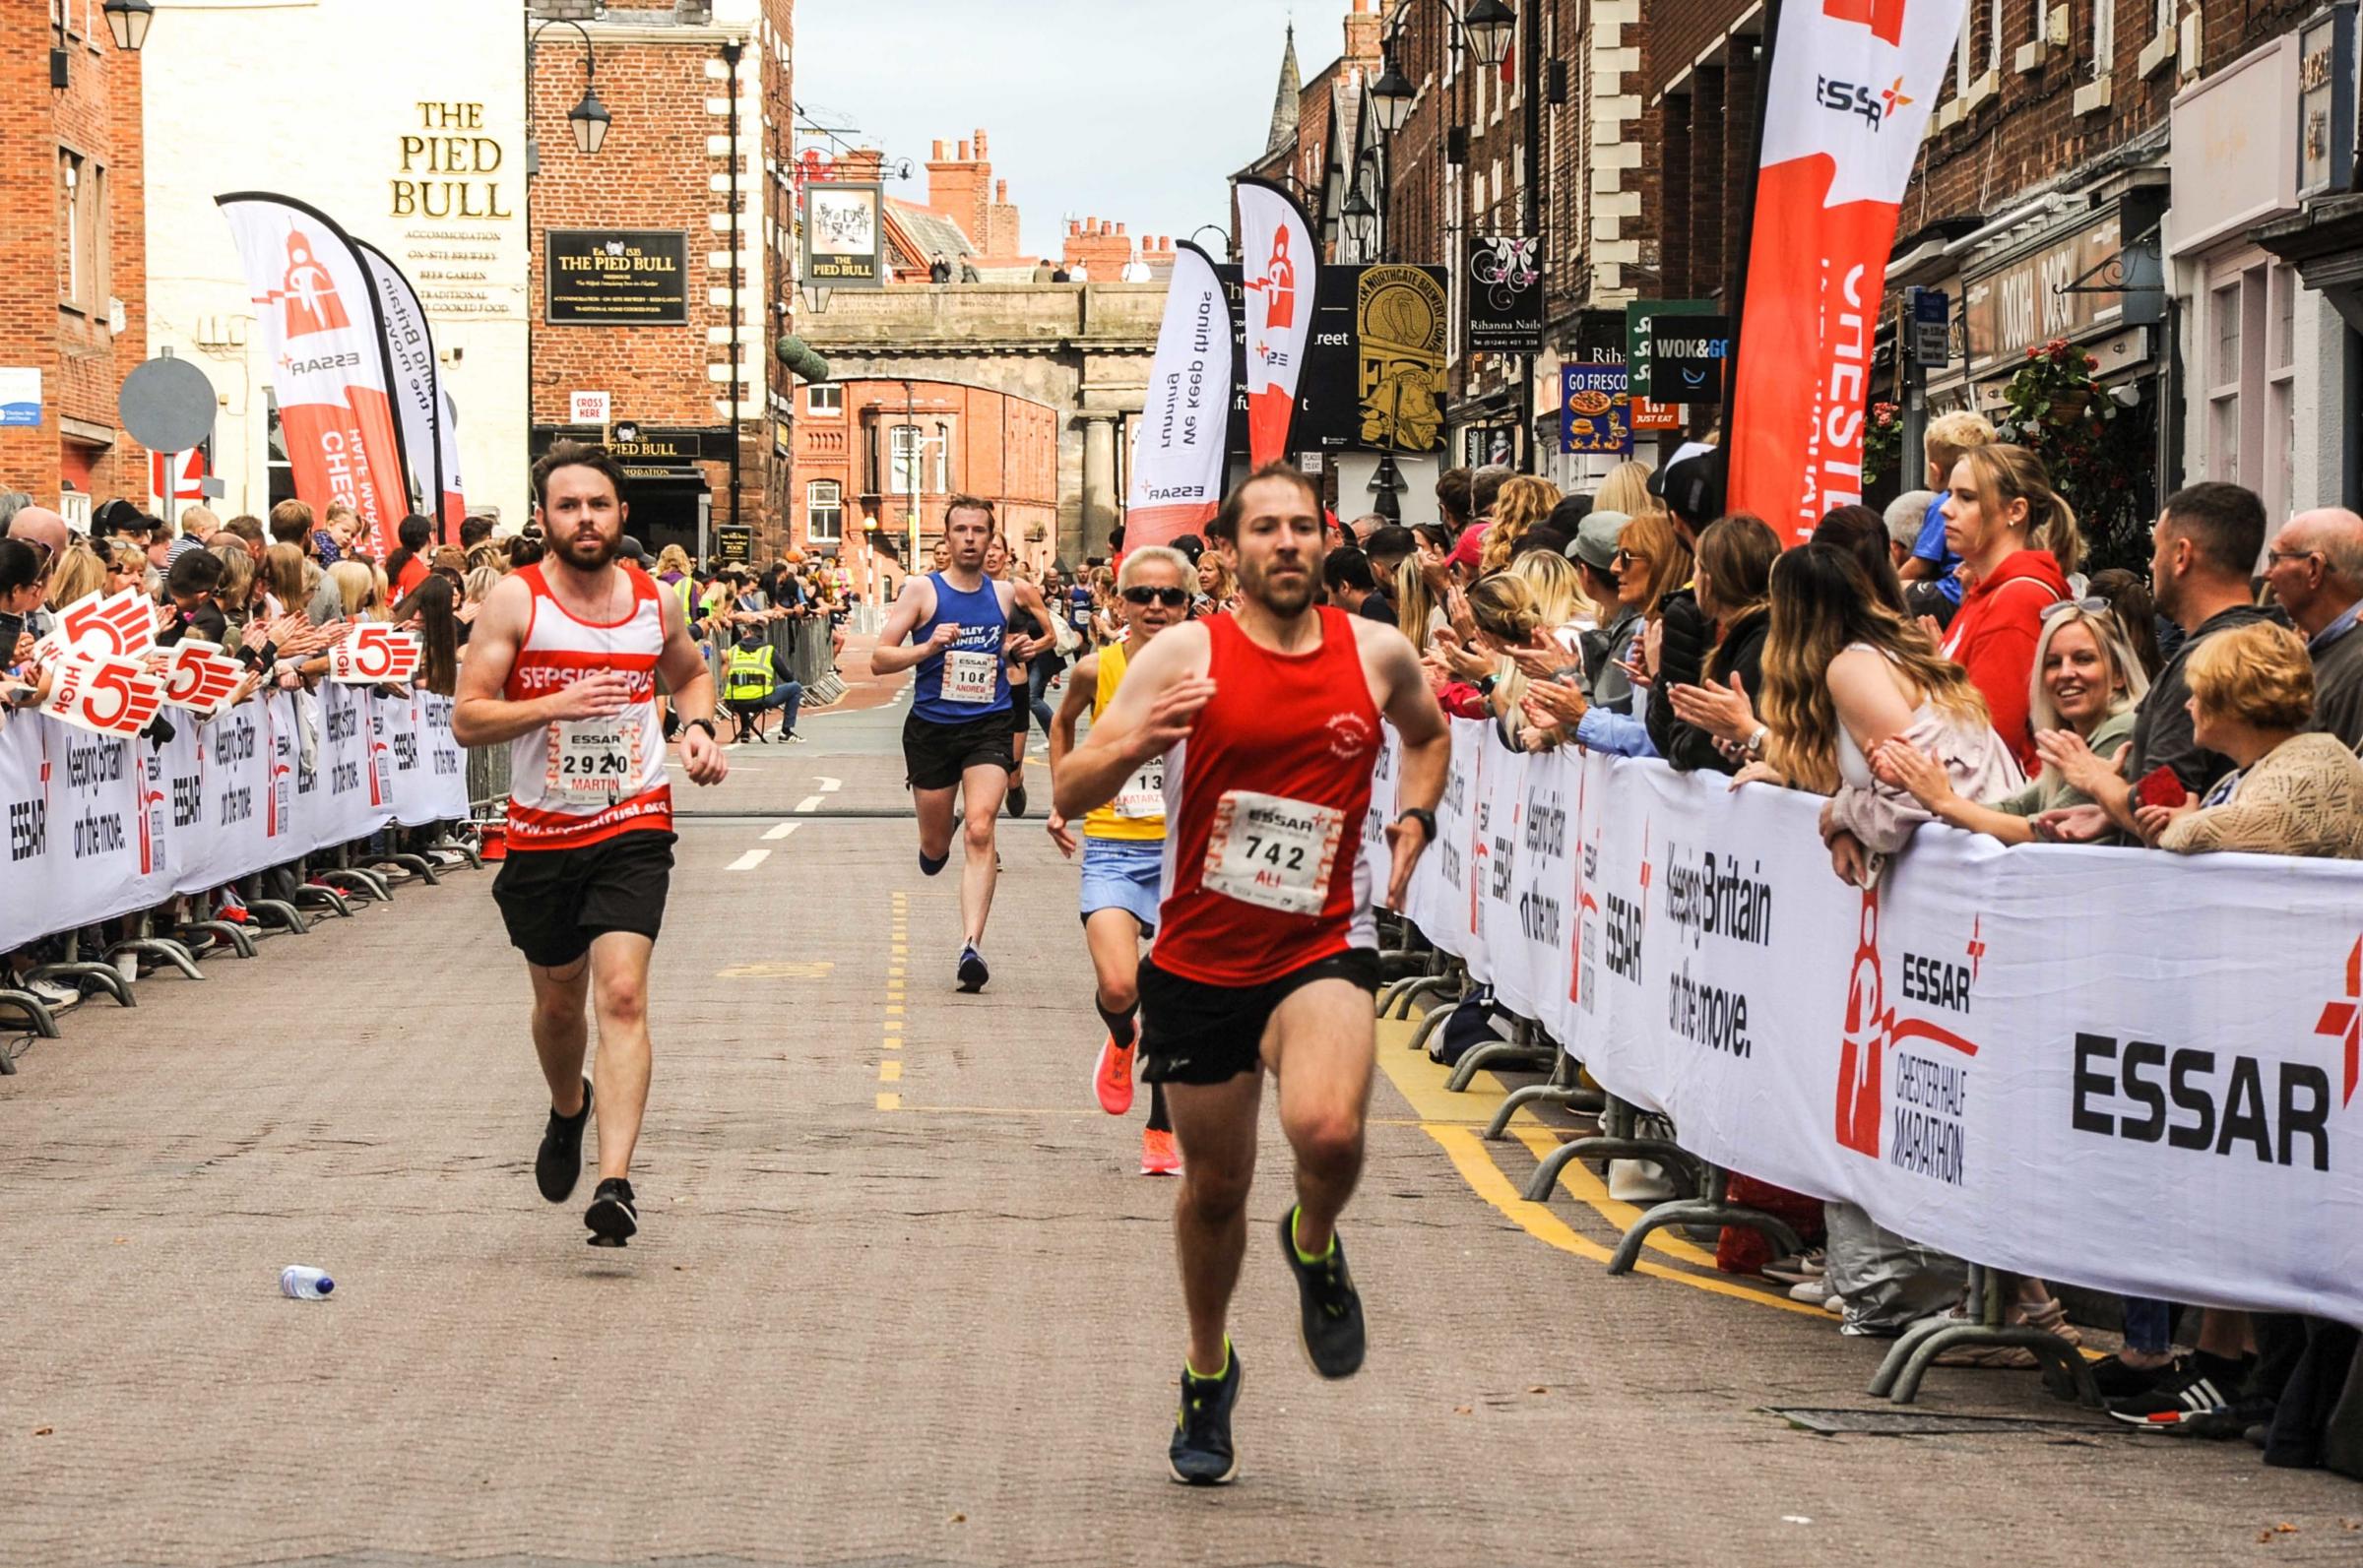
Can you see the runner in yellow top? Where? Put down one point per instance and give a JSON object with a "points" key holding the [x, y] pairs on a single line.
{"points": [[1123, 844]]}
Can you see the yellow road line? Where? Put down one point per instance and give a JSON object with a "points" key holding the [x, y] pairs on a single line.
{"points": [[890, 1072], [1443, 1117], [890, 1101]]}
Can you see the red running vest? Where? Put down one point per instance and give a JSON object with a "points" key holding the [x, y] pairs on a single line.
{"points": [[1265, 807]]}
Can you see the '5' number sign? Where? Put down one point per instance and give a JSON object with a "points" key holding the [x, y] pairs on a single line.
{"points": [[104, 694], [373, 654]]}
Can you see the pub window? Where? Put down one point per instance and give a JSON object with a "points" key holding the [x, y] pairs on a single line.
{"points": [[828, 397], [824, 512]]}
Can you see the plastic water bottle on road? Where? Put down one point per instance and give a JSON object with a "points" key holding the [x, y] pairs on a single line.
{"points": [[305, 1285]]}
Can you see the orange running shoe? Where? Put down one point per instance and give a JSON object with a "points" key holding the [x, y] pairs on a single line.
{"points": [[1160, 1156], [1112, 1077]]}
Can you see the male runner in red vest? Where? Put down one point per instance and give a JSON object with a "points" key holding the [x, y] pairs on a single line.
{"points": [[562, 666], [1265, 955]]}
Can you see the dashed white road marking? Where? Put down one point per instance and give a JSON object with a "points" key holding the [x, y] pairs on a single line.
{"points": [[808, 803], [780, 830], [829, 786], [749, 860]]}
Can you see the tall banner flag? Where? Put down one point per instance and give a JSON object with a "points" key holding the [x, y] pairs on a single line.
{"points": [[1275, 246], [411, 372], [447, 463], [1178, 462], [1849, 88], [320, 322]]}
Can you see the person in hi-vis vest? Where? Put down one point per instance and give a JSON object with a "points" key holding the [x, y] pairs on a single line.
{"points": [[752, 685]]}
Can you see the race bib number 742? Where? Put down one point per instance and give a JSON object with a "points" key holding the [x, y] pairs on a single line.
{"points": [[1273, 853]]}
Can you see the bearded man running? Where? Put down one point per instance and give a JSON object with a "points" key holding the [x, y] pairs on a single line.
{"points": [[1266, 954], [562, 666]]}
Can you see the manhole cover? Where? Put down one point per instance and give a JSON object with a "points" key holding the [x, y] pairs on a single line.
{"points": [[1890, 1421]]}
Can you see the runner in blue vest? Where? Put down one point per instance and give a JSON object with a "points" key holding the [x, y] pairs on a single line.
{"points": [[952, 626]]}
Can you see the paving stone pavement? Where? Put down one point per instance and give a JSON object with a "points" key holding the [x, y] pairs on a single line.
{"points": [[943, 1333]]}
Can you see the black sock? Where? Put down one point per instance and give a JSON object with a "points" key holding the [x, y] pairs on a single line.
{"points": [[1159, 1121], [1119, 1025]]}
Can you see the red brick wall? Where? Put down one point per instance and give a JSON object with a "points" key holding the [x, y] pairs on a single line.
{"points": [[1005, 449], [82, 360], [654, 172], [1101, 245]]}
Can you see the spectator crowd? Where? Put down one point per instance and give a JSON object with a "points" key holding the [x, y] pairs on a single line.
{"points": [[1948, 661]]}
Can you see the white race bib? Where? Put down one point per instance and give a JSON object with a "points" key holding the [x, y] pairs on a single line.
{"points": [[1273, 853], [594, 756], [1143, 795], [970, 676]]}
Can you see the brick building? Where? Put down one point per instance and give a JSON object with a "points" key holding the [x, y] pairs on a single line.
{"points": [[700, 101], [74, 308], [864, 449]]}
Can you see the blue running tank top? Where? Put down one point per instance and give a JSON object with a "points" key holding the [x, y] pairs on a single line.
{"points": [[968, 681]]}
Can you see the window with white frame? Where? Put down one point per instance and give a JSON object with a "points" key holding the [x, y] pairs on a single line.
{"points": [[902, 450], [2104, 37], [824, 511], [1960, 53], [2164, 23], [1994, 36], [825, 399], [2248, 336], [939, 458]]}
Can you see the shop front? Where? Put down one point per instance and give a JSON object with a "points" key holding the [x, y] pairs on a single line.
{"points": [[669, 478]]}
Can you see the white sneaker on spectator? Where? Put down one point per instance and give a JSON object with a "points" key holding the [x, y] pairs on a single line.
{"points": [[1813, 1292], [51, 992], [1797, 1267], [1638, 1181]]}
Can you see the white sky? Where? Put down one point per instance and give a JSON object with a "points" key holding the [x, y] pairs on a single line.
{"points": [[1132, 110]]}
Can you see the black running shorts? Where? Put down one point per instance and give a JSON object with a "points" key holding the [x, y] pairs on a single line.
{"points": [[1197, 1033], [934, 756], [555, 901]]}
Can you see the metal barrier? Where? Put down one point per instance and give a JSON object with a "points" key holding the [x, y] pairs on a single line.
{"points": [[1421, 970]]}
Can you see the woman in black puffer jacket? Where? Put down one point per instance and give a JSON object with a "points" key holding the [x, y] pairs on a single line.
{"points": [[1713, 632]]}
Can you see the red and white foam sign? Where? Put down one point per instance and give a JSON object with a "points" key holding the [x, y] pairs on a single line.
{"points": [[103, 693], [121, 623], [375, 654], [200, 678]]}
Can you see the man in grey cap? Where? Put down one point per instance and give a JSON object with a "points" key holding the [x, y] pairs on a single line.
{"points": [[1594, 554]]}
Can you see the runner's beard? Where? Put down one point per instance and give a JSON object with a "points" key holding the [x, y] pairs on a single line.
{"points": [[587, 553], [1283, 598]]}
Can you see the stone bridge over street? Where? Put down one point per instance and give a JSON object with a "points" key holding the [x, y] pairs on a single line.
{"points": [[1082, 349]]}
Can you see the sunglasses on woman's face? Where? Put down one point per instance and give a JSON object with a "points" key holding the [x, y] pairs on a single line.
{"points": [[1625, 557], [1169, 597]]}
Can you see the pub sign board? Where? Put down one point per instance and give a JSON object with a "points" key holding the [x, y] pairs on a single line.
{"points": [[616, 277]]}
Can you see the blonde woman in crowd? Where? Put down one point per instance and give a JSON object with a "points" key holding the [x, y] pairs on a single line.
{"points": [[126, 567], [358, 590], [77, 575], [1524, 501], [1625, 490], [1557, 594]]}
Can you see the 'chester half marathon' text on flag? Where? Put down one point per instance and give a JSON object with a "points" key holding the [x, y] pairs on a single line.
{"points": [[1849, 88], [1178, 461]]}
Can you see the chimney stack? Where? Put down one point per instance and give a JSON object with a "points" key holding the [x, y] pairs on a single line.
{"points": [[979, 144], [964, 157], [1000, 192], [939, 152]]}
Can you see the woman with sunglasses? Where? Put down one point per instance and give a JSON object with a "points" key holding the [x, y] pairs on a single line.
{"points": [[1123, 844], [2087, 680]]}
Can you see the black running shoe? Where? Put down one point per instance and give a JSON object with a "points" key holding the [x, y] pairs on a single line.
{"points": [[614, 1215], [559, 1164], [972, 972], [1017, 796], [1332, 1315], [2201, 1391], [1201, 1455], [2117, 1380]]}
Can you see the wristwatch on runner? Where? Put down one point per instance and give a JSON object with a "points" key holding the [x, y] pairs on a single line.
{"points": [[1425, 820], [707, 725]]}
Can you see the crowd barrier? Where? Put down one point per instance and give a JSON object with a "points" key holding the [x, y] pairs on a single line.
{"points": [[2116, 1068], [100, 826]]}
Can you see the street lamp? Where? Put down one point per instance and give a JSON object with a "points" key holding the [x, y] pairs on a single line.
{"points": [[1390, 97], [1360, 220], [589, 118], [128, 21], [1489, 25]]}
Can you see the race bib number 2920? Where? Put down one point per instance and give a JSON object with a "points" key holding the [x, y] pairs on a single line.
{"points": [[593, 756], [1273, 853]]}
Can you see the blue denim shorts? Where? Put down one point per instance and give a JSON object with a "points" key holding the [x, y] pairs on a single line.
{"points": [[1124, 874]]}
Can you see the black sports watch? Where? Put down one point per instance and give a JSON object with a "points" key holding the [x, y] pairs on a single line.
{"points": [[1425, 818], [706, 725]]}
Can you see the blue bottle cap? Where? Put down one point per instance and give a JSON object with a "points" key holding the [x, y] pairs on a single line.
{"points": [[326, 1285]]}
